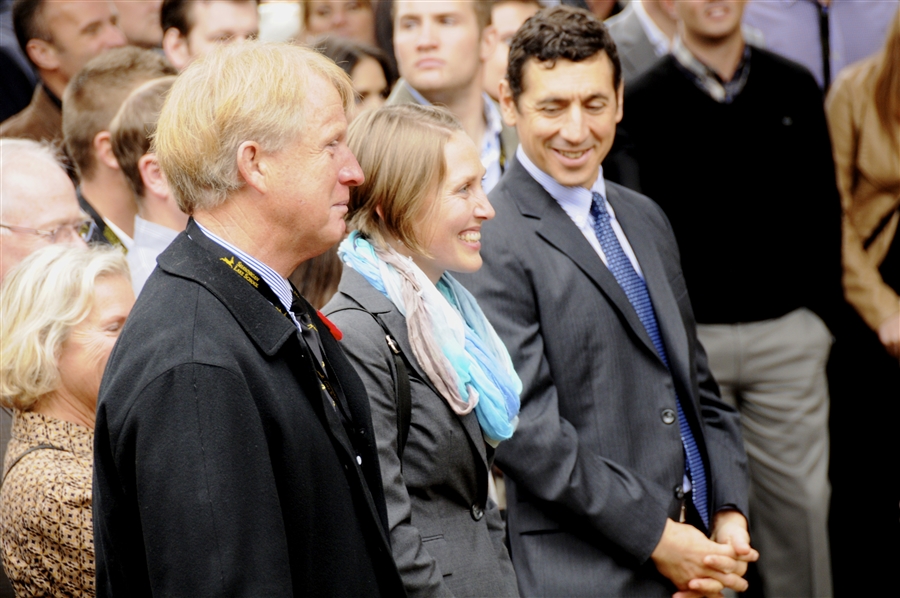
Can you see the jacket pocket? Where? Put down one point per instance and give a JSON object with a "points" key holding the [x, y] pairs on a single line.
{"points": [[439, 550]]}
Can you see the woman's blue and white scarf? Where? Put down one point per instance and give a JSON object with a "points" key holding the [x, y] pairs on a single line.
{"points": [[451, 339]]}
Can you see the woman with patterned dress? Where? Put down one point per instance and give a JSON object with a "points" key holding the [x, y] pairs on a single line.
{"points": [[61, 311]]}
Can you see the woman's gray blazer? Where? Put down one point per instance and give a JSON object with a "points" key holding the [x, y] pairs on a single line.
{"points": [[446, 535]]}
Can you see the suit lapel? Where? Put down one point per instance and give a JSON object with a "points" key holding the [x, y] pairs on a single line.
{"points": [[668, 316], [638, 50], [557, 229]]}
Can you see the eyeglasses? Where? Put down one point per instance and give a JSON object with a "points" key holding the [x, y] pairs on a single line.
{"points": [[83, 229]]}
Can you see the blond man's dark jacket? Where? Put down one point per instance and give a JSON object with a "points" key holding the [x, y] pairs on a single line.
{"points": [[220, 469]]}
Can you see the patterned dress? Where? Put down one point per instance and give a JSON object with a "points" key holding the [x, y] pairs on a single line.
{"points": [[46, 532]]}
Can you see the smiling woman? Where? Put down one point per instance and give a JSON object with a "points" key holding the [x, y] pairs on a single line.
{"points": [[61, 311], [438, 413]]}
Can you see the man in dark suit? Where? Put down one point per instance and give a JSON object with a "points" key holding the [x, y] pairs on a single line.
{"points": [[626, 476], [234, 449]]}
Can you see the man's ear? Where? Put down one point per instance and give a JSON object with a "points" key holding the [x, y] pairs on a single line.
{"points": [[488, 43], [252, 166], [176, 48], [152, 176], [43, 54], [507, 104], [102, 145]]}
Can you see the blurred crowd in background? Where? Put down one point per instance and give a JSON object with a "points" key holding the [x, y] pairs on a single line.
{"points": [[787, 232]]}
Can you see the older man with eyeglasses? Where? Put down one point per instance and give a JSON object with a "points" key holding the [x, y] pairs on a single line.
{"points": [[39, 205]]}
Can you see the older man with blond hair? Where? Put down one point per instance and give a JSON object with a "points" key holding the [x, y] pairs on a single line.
{"points": [[234, 447]]}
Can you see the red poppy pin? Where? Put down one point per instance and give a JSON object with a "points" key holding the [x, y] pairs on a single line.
{"points": [[335, 331]]}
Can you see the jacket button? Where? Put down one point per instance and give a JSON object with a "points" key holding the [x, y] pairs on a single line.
{"points": [[477, 512], [679, 492], [668, 416]]}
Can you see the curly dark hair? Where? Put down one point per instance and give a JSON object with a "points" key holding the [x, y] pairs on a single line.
{"points": [[559, 32]]}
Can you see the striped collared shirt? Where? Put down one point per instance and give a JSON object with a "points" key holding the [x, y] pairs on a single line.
{"points": [[279, 285]]}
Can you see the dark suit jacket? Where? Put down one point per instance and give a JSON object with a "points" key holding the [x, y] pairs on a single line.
{"points": [[593, 468], [446, 535], [220, 469]]}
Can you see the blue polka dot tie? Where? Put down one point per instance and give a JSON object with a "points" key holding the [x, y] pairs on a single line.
{"points": [[636, 291]]}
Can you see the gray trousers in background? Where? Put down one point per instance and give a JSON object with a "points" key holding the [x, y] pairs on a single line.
{"points": [[773, 372]]}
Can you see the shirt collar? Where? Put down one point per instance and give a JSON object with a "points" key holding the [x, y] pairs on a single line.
{"points": [[576, 201], [152, 235], [706, 79], [417, 96], [492, 117], [658, 39], [279, 285]]}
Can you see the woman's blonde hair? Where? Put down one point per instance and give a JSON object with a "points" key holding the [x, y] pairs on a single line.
{"points": [[235, 93], [401, 151], [887, 84], [41, 300]]}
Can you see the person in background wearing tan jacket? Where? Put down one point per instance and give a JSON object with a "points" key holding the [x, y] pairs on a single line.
{"points": [[863, 111], [864, 118]]}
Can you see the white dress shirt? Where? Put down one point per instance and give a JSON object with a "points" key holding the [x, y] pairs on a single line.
{"points": [[150, 239]]}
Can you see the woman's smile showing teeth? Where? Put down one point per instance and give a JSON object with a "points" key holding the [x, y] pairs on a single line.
{"points": [[470, 236]]}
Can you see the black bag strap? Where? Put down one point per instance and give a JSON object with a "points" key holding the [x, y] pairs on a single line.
{"points": [[882, 224], [22, 456], [402, 392]]}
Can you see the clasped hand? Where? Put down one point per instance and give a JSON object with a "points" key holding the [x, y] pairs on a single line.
{"points": [[700, 566]]}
